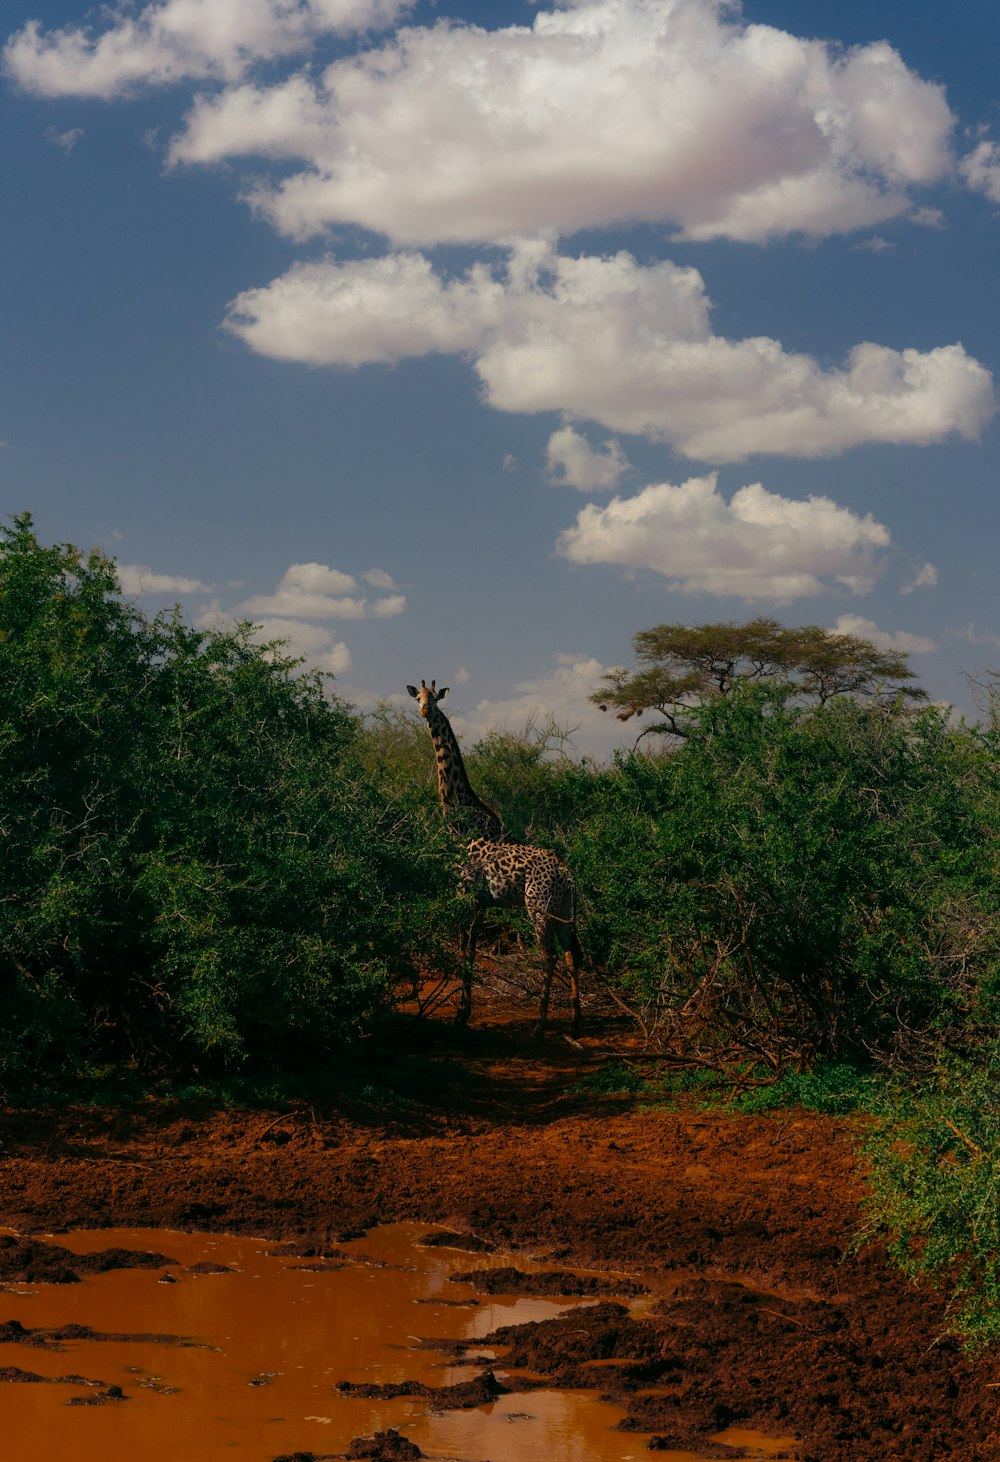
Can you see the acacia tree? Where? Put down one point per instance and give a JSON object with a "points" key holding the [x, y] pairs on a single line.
{"points": [[683, 666]]}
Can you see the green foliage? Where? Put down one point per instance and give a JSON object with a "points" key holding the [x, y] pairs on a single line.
{"points": [[195, 863], [934, 1187], [799, 883], [834, 1087], [613, 1078], [394, 748]]}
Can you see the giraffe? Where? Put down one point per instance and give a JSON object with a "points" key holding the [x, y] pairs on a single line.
{"points": [[497, 872]]}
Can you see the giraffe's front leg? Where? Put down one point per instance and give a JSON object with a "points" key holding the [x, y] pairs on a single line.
{"points": [[469, 942], [464, 1009]]}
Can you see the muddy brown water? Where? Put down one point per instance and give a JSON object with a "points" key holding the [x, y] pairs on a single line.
{"points": [[271, 1340]]}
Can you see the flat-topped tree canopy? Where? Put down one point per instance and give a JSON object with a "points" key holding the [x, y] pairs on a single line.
{"points": [[682, 666]]}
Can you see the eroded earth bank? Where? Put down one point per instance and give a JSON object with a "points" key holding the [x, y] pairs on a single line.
{"points": [[738, 1232]]}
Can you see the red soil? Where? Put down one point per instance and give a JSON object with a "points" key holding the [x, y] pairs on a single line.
{"points": [[741, 1227]]}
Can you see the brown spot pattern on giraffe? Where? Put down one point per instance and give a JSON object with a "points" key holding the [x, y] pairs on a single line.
{"points": [[515, 875]]}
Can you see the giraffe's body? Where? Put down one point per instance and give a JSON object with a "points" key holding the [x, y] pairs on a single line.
{"points": [[497, 872]]}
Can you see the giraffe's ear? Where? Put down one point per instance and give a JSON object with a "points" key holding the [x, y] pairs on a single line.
{"points": [[442, 693], [412, 689]]}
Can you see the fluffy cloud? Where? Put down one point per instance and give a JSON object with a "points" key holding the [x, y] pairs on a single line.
{"points": [[867, 629], [600, 111], [758, 546], [307, 592], [136, 578], [177, 40], [981, 170], [316, 591], [386, 608], [365, 311], [572, 462], [609, 340]]}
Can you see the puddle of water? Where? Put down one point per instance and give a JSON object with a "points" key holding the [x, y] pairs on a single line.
{"points": [[273, 1341]]}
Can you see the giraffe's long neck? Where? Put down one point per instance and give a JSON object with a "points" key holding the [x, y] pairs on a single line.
{"points": [[465, 813]]}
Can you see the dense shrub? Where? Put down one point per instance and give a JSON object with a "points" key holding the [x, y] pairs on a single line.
{"points": [[934, 1186], [798, 883], [193, 860]]}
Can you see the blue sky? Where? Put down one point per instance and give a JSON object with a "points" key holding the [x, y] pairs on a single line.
{"points": [[465, 341]]}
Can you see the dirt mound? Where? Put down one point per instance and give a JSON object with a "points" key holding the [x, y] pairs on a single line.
{"points": [[387, 1446], [12, 1332], [549, 1282], [463, 1396], [30, 1261], [14, 1375], [471, 1243]]}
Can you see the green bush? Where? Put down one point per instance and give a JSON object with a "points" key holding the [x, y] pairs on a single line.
{"points": [[195, 863], [793, 884], [934, 1187]]}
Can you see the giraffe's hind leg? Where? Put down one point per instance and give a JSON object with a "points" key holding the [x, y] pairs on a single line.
{"points": [[546, 944], [573, 960], [543, 999]]}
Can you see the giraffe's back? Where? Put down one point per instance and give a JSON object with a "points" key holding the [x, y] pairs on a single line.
{"points": [[517, 875]]}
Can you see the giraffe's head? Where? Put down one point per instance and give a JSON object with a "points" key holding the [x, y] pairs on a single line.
{"points": [[427, 697]]}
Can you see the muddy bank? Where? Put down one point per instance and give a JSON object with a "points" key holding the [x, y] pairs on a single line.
{"points": [[29, 1261], [549, 1282], [387, 1446], [741, 1228]]}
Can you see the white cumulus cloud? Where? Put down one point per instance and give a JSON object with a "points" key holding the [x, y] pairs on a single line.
{"points": [[178, 40], [572, 462], [385, 608], [867, 629], [627, 345], [366, 310], [136, 578], [316, 591], [311, 643], [600, 111], [757, 546], [981, 169]]}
